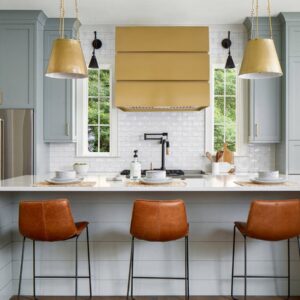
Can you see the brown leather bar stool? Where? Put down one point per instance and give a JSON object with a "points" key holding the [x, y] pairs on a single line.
{"points": [[51, 221], [159, 221], [269, 221]]}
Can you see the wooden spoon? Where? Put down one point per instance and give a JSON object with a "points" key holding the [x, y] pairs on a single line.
{"points": [[209, 156]]}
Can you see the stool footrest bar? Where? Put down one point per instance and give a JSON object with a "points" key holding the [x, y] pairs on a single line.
{"points": [[45, 277], [153, 277], [253, 276]]}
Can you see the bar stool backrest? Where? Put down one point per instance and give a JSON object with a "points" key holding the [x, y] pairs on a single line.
{"points": [[274, 220], [159, 220], [48, 220]]}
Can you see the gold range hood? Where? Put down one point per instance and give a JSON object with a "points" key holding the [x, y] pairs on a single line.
{"points": [[162, 68]]}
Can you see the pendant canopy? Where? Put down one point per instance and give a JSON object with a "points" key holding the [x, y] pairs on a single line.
{"points": [[260, 60], [66, 59]]}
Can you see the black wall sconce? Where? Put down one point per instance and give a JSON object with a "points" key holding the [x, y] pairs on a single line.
{"points": [[97, 44], [226, 43]]}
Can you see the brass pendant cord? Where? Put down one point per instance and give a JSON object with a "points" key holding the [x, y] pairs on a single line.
{"points": [[257, 31], [270, 19], [62, 19], [252, 19], [77, 17]]}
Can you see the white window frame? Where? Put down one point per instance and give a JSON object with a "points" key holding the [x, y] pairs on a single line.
{"points": [[82, 119], [242, 109]]}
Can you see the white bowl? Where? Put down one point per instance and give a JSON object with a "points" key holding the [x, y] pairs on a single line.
{"points": [[268, 175], [81, 169], [156, 174], [65, 174]]}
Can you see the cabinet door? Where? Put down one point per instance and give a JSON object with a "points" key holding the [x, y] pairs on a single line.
{"points": [[265, 104], [17, 65], [294, 98], [59, 104]]}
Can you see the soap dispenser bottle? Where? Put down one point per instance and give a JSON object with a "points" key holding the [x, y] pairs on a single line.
{"points": [[135, 167]]}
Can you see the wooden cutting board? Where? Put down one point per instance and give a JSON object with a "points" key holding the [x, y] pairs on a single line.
{"points": [[227, 155]]}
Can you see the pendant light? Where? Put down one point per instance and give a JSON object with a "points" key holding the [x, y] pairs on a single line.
{"points": [[260, 58], [226, 43], [97, 44], [66, 59]]}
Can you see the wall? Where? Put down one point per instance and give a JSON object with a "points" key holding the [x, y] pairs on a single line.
{"points": [[186, 129]]}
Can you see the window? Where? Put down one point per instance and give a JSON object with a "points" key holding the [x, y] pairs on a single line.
{"points": [[99, 110], [225, 109], [96, 117]]}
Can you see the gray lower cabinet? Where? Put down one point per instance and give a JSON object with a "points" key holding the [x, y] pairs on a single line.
{"points": [[265, 95], [59, 94]]}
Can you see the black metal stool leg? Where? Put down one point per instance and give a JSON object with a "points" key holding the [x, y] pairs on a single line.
{"points": [[76, 268], [132, 263], [187, 276], [289, 269], [245, 279], [89, 259], [233, 261], [130, 266], [33, 260], [21, 268]]}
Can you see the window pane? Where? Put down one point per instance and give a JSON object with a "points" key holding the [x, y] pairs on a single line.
{"points": [[230, 110], [93, 82], [104, 138], [104, 83], [104, 111], [231, 82], [230, 136], [93, 111], [219, 110], [93, 138], [219, 82], [218, 137]]}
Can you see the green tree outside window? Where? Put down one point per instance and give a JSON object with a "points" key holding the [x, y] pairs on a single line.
{"points": [[225, 108]]}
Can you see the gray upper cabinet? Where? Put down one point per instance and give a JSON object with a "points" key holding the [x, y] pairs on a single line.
{"points": [[18, 57], [59, 94], [265, 95]]}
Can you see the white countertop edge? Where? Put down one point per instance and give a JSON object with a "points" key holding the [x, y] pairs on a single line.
{"points": [[223, 183]]}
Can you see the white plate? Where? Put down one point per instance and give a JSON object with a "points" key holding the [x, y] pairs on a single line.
{"points": [[157, 181], [269, 181], [64, 181]]}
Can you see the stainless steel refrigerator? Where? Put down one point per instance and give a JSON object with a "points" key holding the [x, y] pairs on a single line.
{"points": [[16, 147]]}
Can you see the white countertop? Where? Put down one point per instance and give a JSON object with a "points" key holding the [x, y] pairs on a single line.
{"points": [[221, 183]]}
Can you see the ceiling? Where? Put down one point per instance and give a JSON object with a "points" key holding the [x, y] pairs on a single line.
{"points": [[169, 12]]}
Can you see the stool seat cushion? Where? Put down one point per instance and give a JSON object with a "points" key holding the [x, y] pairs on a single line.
{"points": [[48, 220], [159, 220], [272, 220]]}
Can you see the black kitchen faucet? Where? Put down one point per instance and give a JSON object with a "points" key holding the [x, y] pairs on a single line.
{"points": [[165, 145]]}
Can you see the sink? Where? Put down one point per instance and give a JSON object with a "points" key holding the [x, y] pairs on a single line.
{"points": [[193, 174]]}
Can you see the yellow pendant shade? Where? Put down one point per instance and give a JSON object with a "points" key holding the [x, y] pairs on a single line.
{"points": [[66, 60], [260, 60]]}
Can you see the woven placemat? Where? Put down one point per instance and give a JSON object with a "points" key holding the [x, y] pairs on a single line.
{"points": [[174, 183], [78, 184], [250, 183]]}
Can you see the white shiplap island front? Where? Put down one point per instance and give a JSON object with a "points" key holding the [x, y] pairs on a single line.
{"points": [[213, 204]]}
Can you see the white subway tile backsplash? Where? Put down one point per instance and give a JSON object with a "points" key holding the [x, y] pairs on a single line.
{"points": [[186, 129]]}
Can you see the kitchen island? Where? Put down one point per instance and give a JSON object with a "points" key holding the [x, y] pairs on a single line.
{"points": [[213, 204]]}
